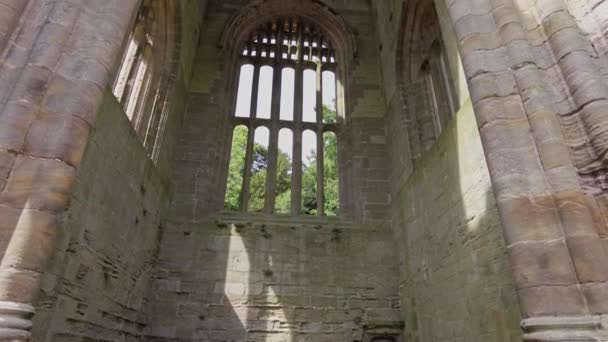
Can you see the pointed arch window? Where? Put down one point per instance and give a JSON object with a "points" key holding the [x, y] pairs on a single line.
{"points": [[144, 79], [428, 90], [136, 69], [286, 98]]}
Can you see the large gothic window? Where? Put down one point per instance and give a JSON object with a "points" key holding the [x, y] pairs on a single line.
{"points": [[428, 90], [284, 147], [143, 79], [136, 69]]}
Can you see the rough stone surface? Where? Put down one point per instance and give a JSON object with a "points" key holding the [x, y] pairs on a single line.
{"points": [[108, 240], [452, 229], [456, 283]]}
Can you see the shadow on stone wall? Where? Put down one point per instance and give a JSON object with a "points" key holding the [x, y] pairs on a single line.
{"points": [[456, 282]]}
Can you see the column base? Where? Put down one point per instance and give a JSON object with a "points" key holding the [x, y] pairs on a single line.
{"points": [[15, 322], [565, 328]]}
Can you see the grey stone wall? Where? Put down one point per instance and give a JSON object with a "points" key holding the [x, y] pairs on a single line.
{"points": [[108, 239], [272, 279], [456, 281], [106, 255], [456, 284], [227, 276]]}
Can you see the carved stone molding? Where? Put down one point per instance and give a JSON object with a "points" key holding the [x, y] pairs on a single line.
{"points": [[565, 328], [258, 12], [382, 331], [15, 321]]}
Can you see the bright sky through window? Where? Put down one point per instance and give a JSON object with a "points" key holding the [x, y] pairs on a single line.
{"points": [[285, 174], [243, 106]]}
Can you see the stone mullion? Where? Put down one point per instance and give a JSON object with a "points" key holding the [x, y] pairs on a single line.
{"points": [[535, 221], [271, 193], [296, 184], [245, 191], [320, 152]]}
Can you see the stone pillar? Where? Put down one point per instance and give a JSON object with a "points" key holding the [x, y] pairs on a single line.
{"points": [[518, 57], [53, 69]]}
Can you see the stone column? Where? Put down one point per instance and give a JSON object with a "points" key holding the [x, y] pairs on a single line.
{"points": [[53, 69], [517, 57]]}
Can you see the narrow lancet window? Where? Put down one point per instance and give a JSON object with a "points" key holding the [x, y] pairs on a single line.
{"points": [[243, 102], [236, 168], [309, 101], [143, 81], [329, 97], [309, 173], [331, 183], [287, 92], [284, 172], [265, 93], [259, 170]]}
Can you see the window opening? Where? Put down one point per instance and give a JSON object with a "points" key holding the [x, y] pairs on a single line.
{"points": [[284, 172], [259, 170], [265, 93], [236, 168], [309, 173], [243, 104], [329, 97], [287, 93], [138, 85], [309, 96], [287, 158], [331, 184]]}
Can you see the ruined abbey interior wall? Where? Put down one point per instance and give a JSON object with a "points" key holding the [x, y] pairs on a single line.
{"points": [[108, 240], [231, 276], [106, 251], [456, 283], [111, 232]]}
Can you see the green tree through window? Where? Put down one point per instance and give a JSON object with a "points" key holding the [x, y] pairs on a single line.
{"points": [[284, 175]]}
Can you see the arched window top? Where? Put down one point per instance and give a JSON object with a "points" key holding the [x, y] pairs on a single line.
{"points": [[425, 76], [291, 38], [310, 17]]}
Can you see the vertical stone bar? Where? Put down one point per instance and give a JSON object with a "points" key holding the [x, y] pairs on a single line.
{"points": [[296, 194], [320, 149], [270, 199], [252, 127], [245, 192]]}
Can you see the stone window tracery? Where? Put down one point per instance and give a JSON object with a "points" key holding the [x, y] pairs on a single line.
{"points": [[136, 68], [284, 152], [143, 80], [428, 90]]}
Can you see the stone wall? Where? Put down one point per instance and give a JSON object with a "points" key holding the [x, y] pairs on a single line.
{"points": [[108, 240], [107, 249], [456, 283], [226, 276], [273, 279]]}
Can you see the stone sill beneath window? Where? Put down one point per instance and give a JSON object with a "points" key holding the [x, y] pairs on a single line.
{"points": [[313, 222]]}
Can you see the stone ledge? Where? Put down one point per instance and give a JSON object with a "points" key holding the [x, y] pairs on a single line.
{"points": [[277, 219], [566, 328]]}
